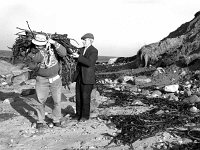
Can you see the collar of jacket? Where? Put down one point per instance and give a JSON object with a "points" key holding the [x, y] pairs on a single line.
{"points": [[84, 49]]}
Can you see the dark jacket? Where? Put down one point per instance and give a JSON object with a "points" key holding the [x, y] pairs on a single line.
{"points": [[37, 59], [86, 65]]}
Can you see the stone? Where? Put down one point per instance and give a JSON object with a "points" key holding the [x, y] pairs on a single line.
{"points": [[156, 93], [112, 61], [20, 78], [95, 100], [142, 80], [192, 99], [171, 88], [194, 109]]}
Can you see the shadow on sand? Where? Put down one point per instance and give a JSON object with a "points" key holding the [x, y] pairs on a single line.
{"points": [[27, 103]]}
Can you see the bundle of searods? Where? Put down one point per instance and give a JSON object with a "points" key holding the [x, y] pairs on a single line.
{"points": [[23, 46]]}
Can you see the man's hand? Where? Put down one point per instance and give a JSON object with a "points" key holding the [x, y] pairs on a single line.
{"points": [[51, 41], [187, 60], [75, 55]]}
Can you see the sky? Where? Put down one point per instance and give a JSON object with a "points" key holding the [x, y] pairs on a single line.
{"points": [[120, 27]]}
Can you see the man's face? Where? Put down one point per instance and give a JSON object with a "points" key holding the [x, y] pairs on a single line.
{"points": [[40, 47], [86, 42]]}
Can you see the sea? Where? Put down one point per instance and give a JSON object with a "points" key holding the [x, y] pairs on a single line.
{"points": [[8, 53], [5, 53]]}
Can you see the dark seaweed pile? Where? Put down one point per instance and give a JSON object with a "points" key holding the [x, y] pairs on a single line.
{"points": [[136, 127]]}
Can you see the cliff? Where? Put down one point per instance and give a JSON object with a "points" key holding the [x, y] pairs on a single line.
{"points": [[180, 46]]}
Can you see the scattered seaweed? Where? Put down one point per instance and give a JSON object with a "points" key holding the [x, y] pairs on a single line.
{"points": [[164, 116]]}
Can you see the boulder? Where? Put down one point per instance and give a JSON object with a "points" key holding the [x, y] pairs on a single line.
{"points": [[142, 80], [171, 88], [95, 100], [112, 61], [7, 68], [20, 78], [156, 93], [192, 99]]}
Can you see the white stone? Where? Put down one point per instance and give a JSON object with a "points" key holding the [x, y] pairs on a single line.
{"points": [[112, 61], [171, 88]]}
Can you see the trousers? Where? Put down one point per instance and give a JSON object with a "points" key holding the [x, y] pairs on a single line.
{"points": [[44, 86], [83, 98]]}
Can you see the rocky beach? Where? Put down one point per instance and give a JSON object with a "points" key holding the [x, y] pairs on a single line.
{"points": [[137, 107]]}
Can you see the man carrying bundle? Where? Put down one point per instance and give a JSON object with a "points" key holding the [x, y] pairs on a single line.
{"points": [[48, 78]]}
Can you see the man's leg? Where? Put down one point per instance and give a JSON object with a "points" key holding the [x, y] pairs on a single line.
{"points": [[56, 91], [86, 98], [78, 98], [42, 91]]}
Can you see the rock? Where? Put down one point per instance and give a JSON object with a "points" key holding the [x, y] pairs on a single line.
{"points": [[31, 82], [145, 92], [170, 96], [68, 110], [8, 100], [20, 65], [95, 94], [160, 70], [156, 93], [192, 99], [112, 61], [109, 81], [9, 78], [173, 97], [94, 114], [160, 112], [171, 88], [193, 109], [126, 78], [95, 100], [133, 88], [155, 73], [20, 78], [183, 73], [117, 88], [72, 86], [7, 68], [27, 92], [142, 80], [137, 102], [188, 92]]}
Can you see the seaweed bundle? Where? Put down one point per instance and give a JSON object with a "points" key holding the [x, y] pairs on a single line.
{"points": [[23, 46]]}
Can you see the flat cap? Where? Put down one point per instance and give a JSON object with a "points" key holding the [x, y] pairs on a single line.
{"points": [[87, 35]]}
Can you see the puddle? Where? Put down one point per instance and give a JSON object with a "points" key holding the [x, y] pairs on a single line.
{"points": [[6, 116]]}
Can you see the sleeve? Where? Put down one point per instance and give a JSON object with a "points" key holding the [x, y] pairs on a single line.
{"points": [[34, 59], [61, 50], [91, 60], [37, 58]]}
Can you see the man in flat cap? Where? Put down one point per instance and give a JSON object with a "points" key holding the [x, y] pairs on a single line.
{"points": [[84, 76]]}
